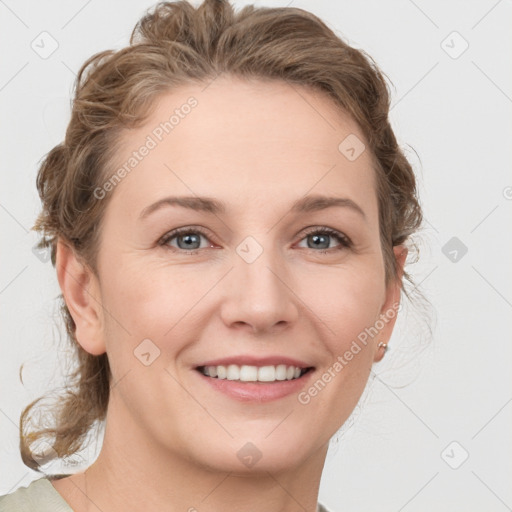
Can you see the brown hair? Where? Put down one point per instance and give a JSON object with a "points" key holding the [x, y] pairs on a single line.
{"points": [[175, 44]]}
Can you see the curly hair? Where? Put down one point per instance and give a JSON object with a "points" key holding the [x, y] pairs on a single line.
{"points": [[174, 44]]}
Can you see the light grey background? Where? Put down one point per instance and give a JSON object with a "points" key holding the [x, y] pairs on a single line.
{"points": [[454, 110]]}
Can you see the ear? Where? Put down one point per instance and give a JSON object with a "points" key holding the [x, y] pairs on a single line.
{"points": [[81, 291], [389, 310]]}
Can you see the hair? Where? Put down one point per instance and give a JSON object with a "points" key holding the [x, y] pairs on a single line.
{"points": [[176, 44]]}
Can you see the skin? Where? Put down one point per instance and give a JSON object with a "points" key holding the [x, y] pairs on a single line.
{"points": [[171, 441]]}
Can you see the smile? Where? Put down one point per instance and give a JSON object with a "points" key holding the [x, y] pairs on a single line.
{"points": [[255, 384], [248, 373]]}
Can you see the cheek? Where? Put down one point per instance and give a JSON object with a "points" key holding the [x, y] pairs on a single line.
{"points": [[139, 307], [145, 294], [158, 303], [347, 301]]}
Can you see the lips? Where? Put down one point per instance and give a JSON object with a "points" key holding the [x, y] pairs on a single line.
{"points": [[256, 392], [273, 388]]}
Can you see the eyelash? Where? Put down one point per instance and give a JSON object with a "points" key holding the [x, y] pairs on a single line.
{"points": [[345, 242]]}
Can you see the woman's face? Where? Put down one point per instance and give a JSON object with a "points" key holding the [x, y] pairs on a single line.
{"points": [[254, 280]]}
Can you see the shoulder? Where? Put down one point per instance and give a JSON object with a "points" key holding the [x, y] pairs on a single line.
{"points": [[40, 496]]}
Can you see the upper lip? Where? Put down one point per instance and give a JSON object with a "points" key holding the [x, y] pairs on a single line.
{"points": [[249, 360]]}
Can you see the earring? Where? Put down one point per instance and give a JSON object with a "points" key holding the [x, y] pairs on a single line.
{"points": [[381, 344]]}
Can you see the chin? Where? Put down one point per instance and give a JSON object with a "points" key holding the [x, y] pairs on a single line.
{"points": [[254, 454]]}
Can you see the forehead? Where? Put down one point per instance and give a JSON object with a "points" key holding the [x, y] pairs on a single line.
{"points": [[245, 141]]}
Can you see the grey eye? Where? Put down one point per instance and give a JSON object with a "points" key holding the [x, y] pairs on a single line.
{"points": [[189, 241], [319, 241]]}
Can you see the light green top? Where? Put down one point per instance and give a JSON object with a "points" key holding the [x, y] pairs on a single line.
{"points": [[41, 496]]}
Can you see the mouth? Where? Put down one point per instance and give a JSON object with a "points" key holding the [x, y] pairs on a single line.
{"points": [[256, 379], [249, 373]]}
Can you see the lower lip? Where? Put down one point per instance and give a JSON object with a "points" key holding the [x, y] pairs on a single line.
{"points": [[257, 391]]}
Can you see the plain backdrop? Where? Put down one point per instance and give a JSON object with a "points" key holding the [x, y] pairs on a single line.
{"points": [[432, 431]]}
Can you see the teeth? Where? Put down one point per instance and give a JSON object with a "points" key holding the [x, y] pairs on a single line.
{"points": [[233, 372], [221, 371], [267, 373], [246, 373], [281, 372]]}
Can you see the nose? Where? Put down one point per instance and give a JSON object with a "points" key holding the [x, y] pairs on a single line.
{"points": [[260, 296]]}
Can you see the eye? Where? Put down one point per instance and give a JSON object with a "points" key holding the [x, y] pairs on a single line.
{"points": [[319, 238], [187, 239]]}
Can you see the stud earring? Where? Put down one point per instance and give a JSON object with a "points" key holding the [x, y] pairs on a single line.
{"points": [[381, 344]]}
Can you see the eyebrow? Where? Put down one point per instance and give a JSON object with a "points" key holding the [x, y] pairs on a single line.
{"points": [[307, 204]]}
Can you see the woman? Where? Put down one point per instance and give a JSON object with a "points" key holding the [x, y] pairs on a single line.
{"points": [[228, 216]]}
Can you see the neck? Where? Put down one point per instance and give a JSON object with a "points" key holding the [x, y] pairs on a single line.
{"points": [[131, 474]]}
